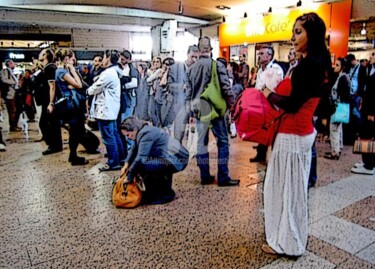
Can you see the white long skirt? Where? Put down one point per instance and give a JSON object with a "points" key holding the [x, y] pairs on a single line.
{"points": [[285, 194]]}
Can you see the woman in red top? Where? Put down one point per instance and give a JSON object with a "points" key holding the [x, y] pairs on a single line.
{"points": [[286, 183]]}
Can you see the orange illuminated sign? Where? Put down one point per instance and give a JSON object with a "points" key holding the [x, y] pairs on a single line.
{"points": [[278, 26]]}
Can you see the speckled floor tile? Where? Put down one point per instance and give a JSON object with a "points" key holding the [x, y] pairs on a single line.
{"points": [[367, 254], [361, 213], [309, 260], [342, 234], [54, 215]]}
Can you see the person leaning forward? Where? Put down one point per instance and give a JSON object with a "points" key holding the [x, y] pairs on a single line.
{"points": [[199, 77]]}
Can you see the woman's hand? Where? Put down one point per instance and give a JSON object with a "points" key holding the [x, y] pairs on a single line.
{"points": [[266, 92], [125, 169], [371, 118]]}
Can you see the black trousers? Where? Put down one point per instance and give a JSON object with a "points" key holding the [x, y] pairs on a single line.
{"points": [[50, 126]]}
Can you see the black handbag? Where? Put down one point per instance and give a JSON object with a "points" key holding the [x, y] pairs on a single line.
{"points": [[70, 104]]}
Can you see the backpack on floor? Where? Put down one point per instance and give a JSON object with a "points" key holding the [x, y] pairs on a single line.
{"points": [[90, 142]]}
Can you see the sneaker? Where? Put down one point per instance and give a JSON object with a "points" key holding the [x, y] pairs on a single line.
{"points": [[358, 164], [3, 147], [362, 170]]}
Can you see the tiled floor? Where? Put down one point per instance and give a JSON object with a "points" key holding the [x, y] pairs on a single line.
{"points": [[54, 215]]}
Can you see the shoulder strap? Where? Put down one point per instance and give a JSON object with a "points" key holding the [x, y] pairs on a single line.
{"points": [[355, 70]]}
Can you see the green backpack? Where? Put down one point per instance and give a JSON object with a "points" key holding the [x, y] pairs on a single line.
{"points": [[212, 104]]}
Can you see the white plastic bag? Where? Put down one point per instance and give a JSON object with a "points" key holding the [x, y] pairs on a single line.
{"points": [[192, 142]]}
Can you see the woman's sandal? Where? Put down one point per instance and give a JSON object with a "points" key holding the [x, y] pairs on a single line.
{"points": [[267, 249]]}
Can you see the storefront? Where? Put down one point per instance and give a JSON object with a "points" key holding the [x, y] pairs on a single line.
{"points": [[245, 36]]}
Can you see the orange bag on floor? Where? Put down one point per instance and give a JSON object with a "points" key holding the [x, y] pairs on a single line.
{"points": [[127, 194]]}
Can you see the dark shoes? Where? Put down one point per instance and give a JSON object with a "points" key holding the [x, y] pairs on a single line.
{"points": [[229, 183], [78, 161], [106, 168], [257, 159], [330, 156], [51, 151], [208, 181]]}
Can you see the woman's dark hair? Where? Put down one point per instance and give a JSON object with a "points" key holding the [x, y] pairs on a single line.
{"points": [[113, 56], [316, 33], [132, 124], [344, 64], [316, 45]]}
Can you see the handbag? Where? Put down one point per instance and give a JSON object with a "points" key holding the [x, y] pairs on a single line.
{"points": [[341, 114], [127, 194], [364, 146], [212, 103], [71, 104]]}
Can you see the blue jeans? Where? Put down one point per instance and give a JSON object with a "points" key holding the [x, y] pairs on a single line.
{"points": [[129, 111], [220, 132], [112, 141]]}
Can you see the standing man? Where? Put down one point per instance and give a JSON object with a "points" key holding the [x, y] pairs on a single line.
{"points": [[49, 124], [243, 71], [96, 68], [105, 109], [129, 85], [10, 84], [266, 61], [199, 76], [182, 116]]}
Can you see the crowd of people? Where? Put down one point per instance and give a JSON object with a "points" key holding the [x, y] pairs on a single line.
{"points": [[143, 110]]}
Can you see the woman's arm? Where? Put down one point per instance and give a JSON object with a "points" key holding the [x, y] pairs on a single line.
{"points": [[72, 78], [143, 153]]}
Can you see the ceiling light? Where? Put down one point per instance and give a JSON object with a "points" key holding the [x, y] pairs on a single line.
{"points": [[270, 10], [299, 3], [222, 7], [363, 31], [245, 15]]}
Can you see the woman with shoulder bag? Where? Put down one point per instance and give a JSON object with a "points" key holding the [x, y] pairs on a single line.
{"points": [[67, 81], [340, 94]]}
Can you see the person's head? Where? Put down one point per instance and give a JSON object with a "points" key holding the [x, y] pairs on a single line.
{"points": [[265, 55], [46, 56], [9, 63], [232, 67], [308, 35], [204, 45], [292, 56], [372, 58], [156, 62], [125, 57], [85, 69], [242, 58], [192, 55], [364, 62], [167, 62], [27, 73], [97, 61], [340, 65], [65, 56], [111, 57], [142, 68], [352, 61], [131, 126]]}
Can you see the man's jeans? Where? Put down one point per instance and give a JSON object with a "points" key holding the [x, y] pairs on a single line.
{"points": [[129, 111], [220, 132], [112, 141]]}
